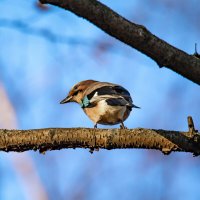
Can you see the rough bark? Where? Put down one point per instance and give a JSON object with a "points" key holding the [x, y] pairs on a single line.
{"points": [[58, 138], [134, 35]]}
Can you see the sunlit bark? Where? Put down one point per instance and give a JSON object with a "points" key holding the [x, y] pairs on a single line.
{"points": [[58, 138]]}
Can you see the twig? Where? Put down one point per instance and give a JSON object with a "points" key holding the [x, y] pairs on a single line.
{"points": [[196, 52], [194, 135], [191, 126]]}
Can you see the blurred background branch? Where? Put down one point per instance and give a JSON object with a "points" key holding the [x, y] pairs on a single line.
{"points": [[23, 165], [25, 27]]}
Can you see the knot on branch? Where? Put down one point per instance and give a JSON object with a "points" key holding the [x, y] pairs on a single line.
{"points": [[166, 151]]}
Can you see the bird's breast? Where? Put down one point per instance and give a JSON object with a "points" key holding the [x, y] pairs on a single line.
{"points": [[102, 113]]}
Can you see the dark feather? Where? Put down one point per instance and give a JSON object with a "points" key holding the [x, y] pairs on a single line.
{"points": [[110, 90], [118, 102], [120, 90]]}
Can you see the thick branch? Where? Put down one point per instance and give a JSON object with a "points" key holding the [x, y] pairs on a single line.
{"points": [[134, 35], [58, 138]]}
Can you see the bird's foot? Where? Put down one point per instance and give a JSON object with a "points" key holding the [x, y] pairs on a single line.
{"points": [[92, 149], [122, 126]]}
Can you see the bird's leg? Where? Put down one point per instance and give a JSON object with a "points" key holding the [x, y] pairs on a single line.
{"points": [[122, 125], [92, 149]]}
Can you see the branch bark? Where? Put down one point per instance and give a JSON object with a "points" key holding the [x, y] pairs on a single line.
{"points": [[58, 138], [134, 35]]}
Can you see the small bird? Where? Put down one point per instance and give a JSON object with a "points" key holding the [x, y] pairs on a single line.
{"points": [[104, 103]]}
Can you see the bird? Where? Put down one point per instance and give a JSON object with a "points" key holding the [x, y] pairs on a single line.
{"points": [[103, 102]]}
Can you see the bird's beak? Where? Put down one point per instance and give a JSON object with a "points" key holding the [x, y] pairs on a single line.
{"points": [[134, 106], [66, 100]]}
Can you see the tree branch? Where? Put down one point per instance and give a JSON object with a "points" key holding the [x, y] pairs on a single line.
{"points": [[134, 35], [58, 138]]}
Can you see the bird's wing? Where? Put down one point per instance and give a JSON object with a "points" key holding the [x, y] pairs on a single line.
{"points": [[102, 91], [114, 94], [111, 100], [104, 88]]}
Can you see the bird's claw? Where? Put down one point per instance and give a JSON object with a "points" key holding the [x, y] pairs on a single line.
{"points": [[122, 126], [95, 126], [92, 149]]}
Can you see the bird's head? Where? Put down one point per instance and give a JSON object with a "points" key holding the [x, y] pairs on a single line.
{"points": [[76, 94]]}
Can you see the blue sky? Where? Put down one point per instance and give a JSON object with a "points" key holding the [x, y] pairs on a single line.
{"points": [[37, 73]]}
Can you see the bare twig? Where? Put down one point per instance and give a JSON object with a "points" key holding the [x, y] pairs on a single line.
{"points": [[134, 35], [191, 126], [196, 54]]}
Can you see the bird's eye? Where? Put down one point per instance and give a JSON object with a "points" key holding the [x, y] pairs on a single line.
{"points": [[76, 92], [75, 87]]}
